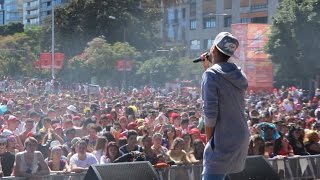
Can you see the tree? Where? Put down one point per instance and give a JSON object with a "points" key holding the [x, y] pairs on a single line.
{"points": [[159, 70], [16, 57], [11, 29], [294, 41], [82, 20], [99, 60]]}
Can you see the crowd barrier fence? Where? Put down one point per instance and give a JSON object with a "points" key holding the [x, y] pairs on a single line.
{"points": [[290, 168]]}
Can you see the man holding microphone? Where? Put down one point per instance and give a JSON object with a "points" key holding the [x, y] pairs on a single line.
{"points": [[223, 90]]}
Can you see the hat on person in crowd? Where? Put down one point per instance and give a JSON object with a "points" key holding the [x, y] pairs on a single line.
{"points": [[72, 108], [194, 131], [12, 118], [54, 143], [75, 140], [132, 125], [174, 115], [57, 126], [76, 118]]}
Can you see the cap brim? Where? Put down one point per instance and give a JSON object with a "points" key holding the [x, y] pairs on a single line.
{"points": [[197, 60]]}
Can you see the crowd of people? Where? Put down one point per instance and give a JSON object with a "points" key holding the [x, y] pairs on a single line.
{"points": [[62, 131]]}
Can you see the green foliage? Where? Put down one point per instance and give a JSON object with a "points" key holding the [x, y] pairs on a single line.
{"points": [[11, 29], [159, 70], [16, 57], [294, 41], [82, 20], [99, 59]]}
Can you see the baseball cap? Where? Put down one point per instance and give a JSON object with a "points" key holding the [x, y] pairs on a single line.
{"points": [[226, 43]]}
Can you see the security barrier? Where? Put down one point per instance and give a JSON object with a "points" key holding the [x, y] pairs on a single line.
{"points": [[288, 168]]}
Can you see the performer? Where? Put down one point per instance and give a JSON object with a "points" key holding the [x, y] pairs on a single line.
{"points": [[223, 89]]}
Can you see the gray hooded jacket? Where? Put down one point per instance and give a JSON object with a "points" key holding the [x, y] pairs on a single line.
{"points": [[223, 91]]}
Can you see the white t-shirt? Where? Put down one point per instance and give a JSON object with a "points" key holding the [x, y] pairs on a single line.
{"points": [[90, 160]]}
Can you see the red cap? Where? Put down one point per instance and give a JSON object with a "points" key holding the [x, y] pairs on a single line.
{"points": [[132, 125], [194, 131], [12, 118], [76, 118], [56, 126], [174, 115]]}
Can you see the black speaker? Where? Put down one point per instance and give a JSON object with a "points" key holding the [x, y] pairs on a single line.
{"points": [[122, 171], [257, 168]]}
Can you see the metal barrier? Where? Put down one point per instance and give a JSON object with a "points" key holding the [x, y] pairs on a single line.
{"points": [[69, 176], [289, 168]]}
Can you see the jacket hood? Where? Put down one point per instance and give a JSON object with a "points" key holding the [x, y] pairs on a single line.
{"points": [[232, 73]]}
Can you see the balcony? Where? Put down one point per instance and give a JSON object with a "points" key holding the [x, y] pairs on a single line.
{"points": [[32, 7], [32, 16], [259, 7]]}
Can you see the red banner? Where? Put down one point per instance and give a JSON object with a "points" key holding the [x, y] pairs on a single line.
{"points": [[46, 60], [250, 55], [124, 65]]}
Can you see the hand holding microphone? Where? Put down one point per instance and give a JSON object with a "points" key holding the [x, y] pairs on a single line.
{"points": [[206, 58]]}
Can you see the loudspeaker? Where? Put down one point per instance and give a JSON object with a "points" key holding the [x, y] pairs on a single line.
{"points": [[257, 168], [122, 171]]}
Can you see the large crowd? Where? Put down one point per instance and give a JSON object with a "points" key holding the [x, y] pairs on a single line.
{"points": [[46, 129]]}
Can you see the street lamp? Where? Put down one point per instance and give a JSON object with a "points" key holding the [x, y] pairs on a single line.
{"points": [[52, 39], [124, 27]]}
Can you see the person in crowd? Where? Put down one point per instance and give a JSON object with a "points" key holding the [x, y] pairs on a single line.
{"points": [[311, 142], [93, 130], [149, 153], [177, 154], [29, 125], [70, 134], [81, 161], [74, 148], [295, 138], [196, 156], [111, 153], [157, 147], [268, 149], [57, 164], [100, 147], [132, 143], [256, 145], [12, 144], [169, 136], [7, 158], [188, 144], [30, 163]]}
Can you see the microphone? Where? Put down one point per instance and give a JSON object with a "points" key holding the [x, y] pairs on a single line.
{"points": [[199, 59]]}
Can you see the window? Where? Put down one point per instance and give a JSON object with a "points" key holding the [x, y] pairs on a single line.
{"points": [[183, 13], [227, 21], [28, 12], [193, 24], [28, 20], [176, 13], [227, 4], [194, 44], [48, 12], [259, 6], [209, 23], [48, 3], [245, 20], [262, 20], [193, 9], [208, 43]]}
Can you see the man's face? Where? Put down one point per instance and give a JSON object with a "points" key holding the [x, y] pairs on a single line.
{"points": [[29, 126], [132, 140]]}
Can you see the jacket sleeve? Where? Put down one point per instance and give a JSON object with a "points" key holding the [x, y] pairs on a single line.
{"points": [[210, 98]]}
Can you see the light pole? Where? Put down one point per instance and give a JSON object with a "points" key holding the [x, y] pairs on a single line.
{"points": [[52, 39], [124, 27]]}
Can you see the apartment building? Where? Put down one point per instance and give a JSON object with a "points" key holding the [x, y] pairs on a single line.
{"points": [[36, 11], [10, 11], [194, 23]]}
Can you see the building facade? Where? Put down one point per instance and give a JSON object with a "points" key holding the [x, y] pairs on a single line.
{"points": [[195, 23], [11, 11], [36, 11]]}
